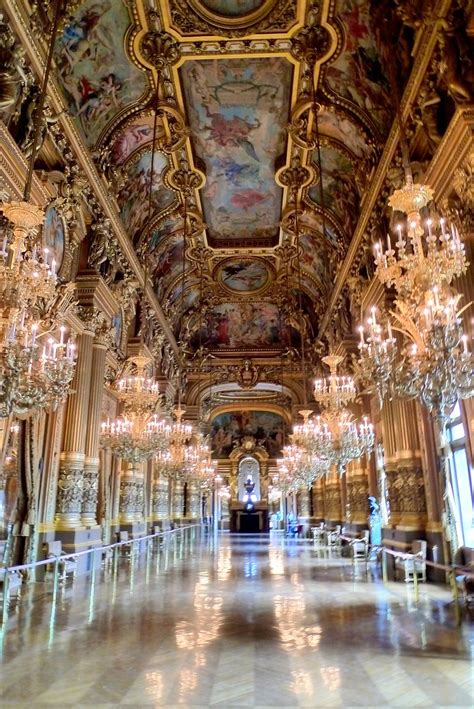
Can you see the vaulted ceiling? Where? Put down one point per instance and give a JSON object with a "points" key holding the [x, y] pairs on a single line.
{"points": [[235, 140]]}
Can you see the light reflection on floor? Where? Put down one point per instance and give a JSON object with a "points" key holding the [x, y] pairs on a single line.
{"points": [[237, 622]]}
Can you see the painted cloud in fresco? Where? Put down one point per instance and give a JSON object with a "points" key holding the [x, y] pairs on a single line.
{"points": [[98, 77], [228, 430], [244, 276], [357, 74], [339, 189], [133, 197], [238, 111]]}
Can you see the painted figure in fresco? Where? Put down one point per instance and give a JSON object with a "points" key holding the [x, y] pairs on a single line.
{"points": [[231, 429]]}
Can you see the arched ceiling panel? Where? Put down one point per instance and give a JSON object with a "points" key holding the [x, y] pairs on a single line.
{"points": [[358, 75], [98, 77], [133, 198]]}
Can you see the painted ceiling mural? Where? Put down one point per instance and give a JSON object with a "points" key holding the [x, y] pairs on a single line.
{"points": [[134, 196], [358, 74], [238, 111], [235, 87], [98, 77], [228, 430]]}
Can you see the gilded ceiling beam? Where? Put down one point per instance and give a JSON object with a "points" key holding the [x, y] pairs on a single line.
{"points": [[425, 48], [22, 27]]}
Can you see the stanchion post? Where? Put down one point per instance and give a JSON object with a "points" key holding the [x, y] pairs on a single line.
{"points": [[55, 578], [454, 590], [384, 566], [6, 597], [415, 580], [115, 561]]}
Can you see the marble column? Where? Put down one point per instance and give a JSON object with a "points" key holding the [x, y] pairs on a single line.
{"points": [[160, 497], [73, 456], [90, 485]]}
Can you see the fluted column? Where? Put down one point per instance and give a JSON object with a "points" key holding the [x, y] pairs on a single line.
{"points": [[160, 495], [72, 459], [403, 465], [91, 464]]}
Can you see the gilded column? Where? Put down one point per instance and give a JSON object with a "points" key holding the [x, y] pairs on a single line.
{"points": [[318, 500], [357, 487], [194, 500], [72, 459], [333, 500], [90, 486], [132, 494], [177, 504], [404, 472]]}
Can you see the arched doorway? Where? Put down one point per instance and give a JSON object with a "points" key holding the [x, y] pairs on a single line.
{"points": [[249, 467]]}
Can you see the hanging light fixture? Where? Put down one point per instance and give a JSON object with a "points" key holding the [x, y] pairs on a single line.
{"points": [[430, 360], [36, 367]]}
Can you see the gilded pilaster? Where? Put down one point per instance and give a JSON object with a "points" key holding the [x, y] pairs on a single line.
{"points": [[333, 501], [357, 491], [318, 500], [91, 465], [403, 465], [72, 459]]}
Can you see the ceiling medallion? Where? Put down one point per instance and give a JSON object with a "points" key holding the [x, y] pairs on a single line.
{"points": [[244, 275], [232, 13]]}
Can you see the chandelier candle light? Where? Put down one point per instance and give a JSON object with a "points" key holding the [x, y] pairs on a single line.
{"points": [[431, 362]]}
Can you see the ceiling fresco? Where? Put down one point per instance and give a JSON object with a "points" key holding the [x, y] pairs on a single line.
{"points": [[97, 75], [230, 84], [238, 111], [133, 198], [244, 275], [357, 74], [340, 191], [228, 430]]}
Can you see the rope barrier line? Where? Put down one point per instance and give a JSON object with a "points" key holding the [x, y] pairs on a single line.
{"points": [[57, 560]]}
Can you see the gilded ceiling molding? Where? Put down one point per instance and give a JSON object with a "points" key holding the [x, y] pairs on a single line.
{"points": [[21, 25]]}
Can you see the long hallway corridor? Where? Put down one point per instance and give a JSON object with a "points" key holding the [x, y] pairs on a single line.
{"points": [[237, 622]]}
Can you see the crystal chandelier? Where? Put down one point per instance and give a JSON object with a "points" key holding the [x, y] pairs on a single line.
{"points": [[36, 370], [299, 467], [139, 433], [172, 460], [431, 360], [28, 288], [333, 437]]}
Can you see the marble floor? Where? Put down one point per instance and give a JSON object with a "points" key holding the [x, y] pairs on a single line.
{"points": [[236, 622]]}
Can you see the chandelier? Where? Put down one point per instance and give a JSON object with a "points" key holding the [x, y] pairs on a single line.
{"points": [[299, 467], [172, 460], [36, 369], [334, 438], [139, 433], [430, 361], [30, 379]]}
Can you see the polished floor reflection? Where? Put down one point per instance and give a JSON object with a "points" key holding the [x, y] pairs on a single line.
{"points": [[237, 622]]}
